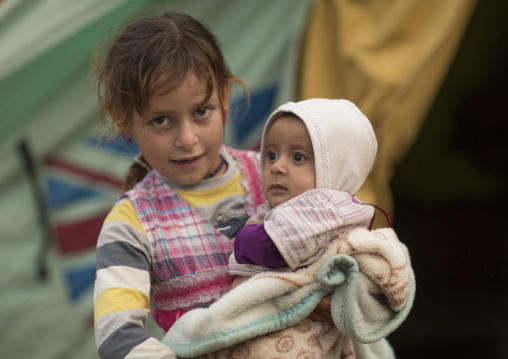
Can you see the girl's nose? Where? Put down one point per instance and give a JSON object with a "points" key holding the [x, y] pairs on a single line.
{"points": [[186, 136]]}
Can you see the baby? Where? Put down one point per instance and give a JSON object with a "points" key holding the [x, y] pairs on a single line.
{"points": [[315, 155]]}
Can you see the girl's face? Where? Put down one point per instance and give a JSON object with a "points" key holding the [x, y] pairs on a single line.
{"points": [[180, 133], [289, 168]]}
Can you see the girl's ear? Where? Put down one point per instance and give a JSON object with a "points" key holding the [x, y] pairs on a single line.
{"points": [[117, 120], [225, 100]]}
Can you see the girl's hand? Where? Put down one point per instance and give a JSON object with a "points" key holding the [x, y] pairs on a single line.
{"points": [[323, 311]]}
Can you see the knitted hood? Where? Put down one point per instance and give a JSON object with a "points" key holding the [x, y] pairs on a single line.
{"points": [[342, 137]]}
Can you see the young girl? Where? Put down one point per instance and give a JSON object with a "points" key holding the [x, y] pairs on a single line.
{"points": [[164, 246]]}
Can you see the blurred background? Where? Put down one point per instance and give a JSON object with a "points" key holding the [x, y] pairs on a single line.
{"points": [[430, 75]]}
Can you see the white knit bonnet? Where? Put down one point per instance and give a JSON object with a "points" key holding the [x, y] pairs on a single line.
{"points": [[342, 138]]}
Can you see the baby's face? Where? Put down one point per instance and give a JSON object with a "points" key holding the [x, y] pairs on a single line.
{"points": [[289, 168]]}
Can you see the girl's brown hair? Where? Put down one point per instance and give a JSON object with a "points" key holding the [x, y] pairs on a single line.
{"points": [[152, 55]]}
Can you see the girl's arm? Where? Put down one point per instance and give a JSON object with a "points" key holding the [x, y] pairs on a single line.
{"points": [[122, 288]]}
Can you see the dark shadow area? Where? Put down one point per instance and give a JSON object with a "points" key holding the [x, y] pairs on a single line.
{"points": [[451, 204]]}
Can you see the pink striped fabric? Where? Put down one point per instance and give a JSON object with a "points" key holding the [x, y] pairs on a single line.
{"points": [[303, 226]]}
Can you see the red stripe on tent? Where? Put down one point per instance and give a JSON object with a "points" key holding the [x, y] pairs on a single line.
{"points": [[76, 236], [83, 172]]}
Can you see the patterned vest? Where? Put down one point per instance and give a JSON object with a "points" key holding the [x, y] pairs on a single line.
{"points": [[190, 257]]}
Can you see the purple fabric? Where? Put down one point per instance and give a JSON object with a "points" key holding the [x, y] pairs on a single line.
{"points": [[254, 246]]}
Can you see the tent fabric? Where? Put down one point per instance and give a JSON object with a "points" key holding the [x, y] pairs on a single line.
{"points": [[46, 96], [48, 102], [47, 89], [389, 58]]}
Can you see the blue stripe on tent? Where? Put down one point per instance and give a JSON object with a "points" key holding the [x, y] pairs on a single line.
{"points": [[261, 107], [61, 192], [79, 279]]}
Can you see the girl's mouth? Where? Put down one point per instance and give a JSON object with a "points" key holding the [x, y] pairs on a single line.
{"points": [[188, 159], [188, 163]]}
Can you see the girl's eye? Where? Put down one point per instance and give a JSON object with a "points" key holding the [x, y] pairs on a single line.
{"points": [[299, 157], [160, 121], [203, 112], [272, 156]]}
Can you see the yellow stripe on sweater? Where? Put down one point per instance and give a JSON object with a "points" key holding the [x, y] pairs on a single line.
{"points": [[117, 300], [124, 211], [209, 196]]}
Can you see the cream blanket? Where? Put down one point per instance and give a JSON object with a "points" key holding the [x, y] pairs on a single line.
{"points": [[369, 277]]}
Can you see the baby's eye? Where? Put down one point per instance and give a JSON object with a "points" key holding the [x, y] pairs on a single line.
{"points": [[272, 156], [161, 121], [299, 157], [203, 112]]}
